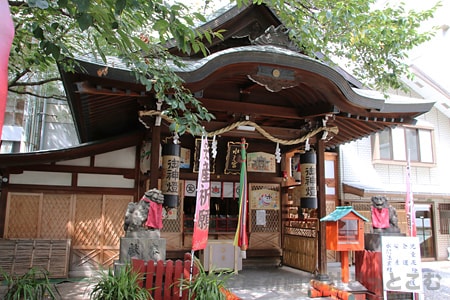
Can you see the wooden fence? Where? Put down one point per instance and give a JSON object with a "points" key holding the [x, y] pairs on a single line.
{"points": [[163, 279], [17, 256]]}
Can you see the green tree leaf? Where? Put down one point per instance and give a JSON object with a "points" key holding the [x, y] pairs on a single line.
{"points": [[374, 41]]}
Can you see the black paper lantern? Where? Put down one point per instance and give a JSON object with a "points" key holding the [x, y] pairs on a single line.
{"points": [[170, 174], [308, 189]]}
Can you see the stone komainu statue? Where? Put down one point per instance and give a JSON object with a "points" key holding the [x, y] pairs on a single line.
{"points": [[145, 214], [384, 216]]}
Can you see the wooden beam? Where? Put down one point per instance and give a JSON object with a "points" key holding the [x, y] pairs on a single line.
{"points": [[126, 173], [84, 87], [154, 162], [266, 110], [82, 150]]}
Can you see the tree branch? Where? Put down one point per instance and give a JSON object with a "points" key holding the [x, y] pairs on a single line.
{"points": [[57, 97], [33, 83], [17, 77], [17, 3]]}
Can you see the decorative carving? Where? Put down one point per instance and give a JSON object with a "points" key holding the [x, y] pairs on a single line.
{"points": [[274, 79], [277, 36], [250, 32], [271, 84]]}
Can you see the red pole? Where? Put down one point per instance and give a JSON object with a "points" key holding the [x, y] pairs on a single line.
{"points": [[344, 267]]}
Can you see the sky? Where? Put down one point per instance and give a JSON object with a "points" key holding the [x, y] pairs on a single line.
{"points": [[433, 57]]}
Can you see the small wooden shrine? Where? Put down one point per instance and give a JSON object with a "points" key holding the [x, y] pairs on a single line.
{"points": [[344, 233]]}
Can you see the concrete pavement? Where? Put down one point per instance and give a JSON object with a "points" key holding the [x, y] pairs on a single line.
{"points": [[273, 282]]}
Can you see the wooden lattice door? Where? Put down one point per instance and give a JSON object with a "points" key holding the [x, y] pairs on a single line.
{"points": [[264, 230], [98, 226]]}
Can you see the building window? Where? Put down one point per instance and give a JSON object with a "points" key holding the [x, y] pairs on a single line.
{"points": [[348, 231], [9, 147], [444, 217], [385, 144], [394, 144]]}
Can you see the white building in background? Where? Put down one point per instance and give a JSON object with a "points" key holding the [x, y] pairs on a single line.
{"points": [[377, 164], [33, 124]]}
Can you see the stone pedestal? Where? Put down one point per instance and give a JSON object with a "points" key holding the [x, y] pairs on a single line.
{"points": [[145, 245], [372, 241], [142, 248]]}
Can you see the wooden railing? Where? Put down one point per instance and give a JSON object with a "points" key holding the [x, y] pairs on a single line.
{"points": [[306, 227], [164, 279]]}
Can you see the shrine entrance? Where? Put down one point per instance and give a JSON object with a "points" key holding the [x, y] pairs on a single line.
{"points": [[301, 226]]}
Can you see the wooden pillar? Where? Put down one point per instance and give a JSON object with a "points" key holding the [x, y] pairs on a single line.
{"points": [[322, 210], [156, 141], [3, 198]]}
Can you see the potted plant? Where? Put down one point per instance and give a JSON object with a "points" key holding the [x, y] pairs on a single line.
{"points": [[33, 285], [123, 285]]}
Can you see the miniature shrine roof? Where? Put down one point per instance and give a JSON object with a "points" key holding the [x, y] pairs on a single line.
{"points": [[340, 212]]}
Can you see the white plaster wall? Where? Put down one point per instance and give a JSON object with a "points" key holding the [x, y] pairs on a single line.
{"points": [[41, 178], [101, 180], [123, 158], [356, 163], [83, 162], [442, 142]]}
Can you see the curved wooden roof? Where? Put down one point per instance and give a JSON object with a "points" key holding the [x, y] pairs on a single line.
{"points": [[263, 79]]}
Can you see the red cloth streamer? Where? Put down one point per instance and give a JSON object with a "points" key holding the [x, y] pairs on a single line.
{"points": [[241, 236]]}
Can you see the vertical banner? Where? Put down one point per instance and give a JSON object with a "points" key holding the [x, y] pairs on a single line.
{"points": [[201, 219], [6, 38], [241, 238], [409, 202]]}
